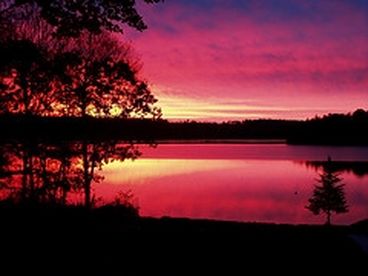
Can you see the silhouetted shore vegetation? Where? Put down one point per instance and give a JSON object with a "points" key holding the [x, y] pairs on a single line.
{"points": [[332, 129], [107, 241]]}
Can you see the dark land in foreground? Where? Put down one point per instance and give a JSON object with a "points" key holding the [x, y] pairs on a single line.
{"points": [[113, 240], [332, 129]]}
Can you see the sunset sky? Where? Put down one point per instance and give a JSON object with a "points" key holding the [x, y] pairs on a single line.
{"points": [[219, 60]]}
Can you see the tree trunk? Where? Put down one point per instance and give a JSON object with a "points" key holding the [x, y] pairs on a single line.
{"points": [[86, 178], [24, 174], [32, 188], [328, 222], [84, 110], [26, 98], [63, 179]]}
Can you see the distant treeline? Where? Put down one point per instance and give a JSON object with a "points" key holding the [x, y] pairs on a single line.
{"points": [[334, 129]]}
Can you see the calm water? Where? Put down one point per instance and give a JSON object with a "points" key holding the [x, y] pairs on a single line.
{"points": [[244, 182]]}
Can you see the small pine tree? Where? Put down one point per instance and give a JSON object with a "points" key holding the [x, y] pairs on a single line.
{"points": [[329, 195]]}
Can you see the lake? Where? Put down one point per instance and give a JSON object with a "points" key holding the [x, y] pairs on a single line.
{"points": [[242, 182]]}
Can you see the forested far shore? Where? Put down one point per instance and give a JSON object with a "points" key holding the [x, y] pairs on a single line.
{"points": [[331, 129]]}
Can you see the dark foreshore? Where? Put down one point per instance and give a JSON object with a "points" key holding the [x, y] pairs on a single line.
{"points": [[52, 240]]}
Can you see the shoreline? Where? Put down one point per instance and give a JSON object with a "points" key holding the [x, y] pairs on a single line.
{"points": [[121, 214], [221, 141], [108, 239]]}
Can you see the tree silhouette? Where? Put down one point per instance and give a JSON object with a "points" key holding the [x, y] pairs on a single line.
{"points": [[3, 168], [99, 77], [71, 17], [329, 196], [83, 70], [25, 80], [92, 74]]}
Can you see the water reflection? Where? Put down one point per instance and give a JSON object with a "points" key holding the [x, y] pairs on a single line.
{"points": [[54, 172], [264, 183], [234, 182], [358, 168]]}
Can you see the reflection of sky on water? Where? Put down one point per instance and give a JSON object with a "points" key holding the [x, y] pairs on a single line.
{"points": [[220, 186]]}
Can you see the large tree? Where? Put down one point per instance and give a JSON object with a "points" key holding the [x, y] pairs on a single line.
{"points": [[328, 196], [70, 17], [83, 70], [91, 74], [103, 80]]}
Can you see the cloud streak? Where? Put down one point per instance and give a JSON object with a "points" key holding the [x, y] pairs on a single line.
{"points": [[268, 51]]}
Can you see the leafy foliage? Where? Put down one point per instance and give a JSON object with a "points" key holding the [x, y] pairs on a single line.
{"points": [[25, 83], [93, 83], [92, 74], [70, 17]]}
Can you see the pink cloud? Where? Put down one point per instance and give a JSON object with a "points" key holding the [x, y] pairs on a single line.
{"points": [[225, 53]]}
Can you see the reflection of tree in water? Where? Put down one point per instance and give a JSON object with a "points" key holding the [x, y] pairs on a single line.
{"points": [[358, 168], [94, 155], [3, 165], [50, 172]]}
